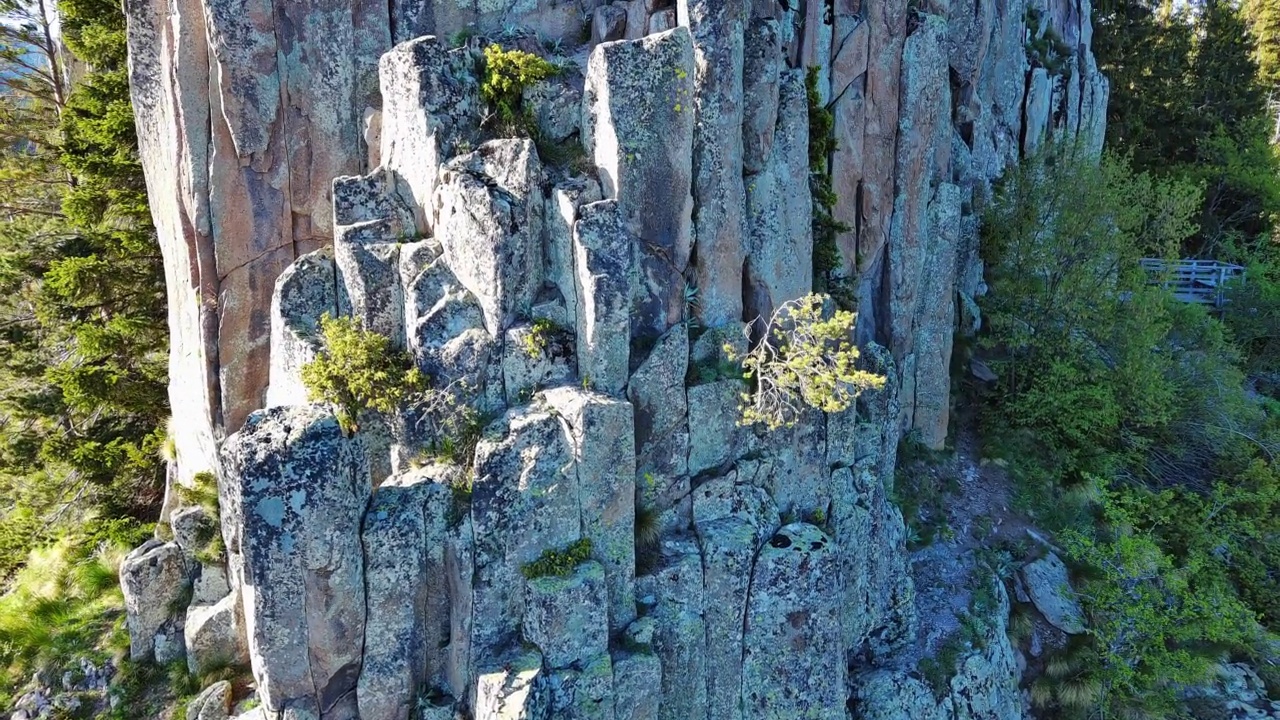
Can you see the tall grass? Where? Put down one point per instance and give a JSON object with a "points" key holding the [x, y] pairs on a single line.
{"points": [[65, 604]]}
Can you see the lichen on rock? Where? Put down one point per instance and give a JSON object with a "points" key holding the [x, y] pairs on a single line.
{"points": [[734, 571]]}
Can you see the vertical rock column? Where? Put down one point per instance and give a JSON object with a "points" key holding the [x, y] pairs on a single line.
{"points": [[794, 657], [245, 113], [293, 494], [914, 256], [407, 629], [431, 104], [718, 28], [637, 124], [304, 293]]}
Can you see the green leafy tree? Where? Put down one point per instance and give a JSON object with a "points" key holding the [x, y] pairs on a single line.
{"points": [[1070, 304], [1188, 99]]}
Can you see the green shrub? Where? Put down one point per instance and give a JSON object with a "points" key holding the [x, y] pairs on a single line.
{"points": [[1081, 341], [1158, 620], [358, 370], [202, 492], [538, 339], [559, 563], [1253, 317], [805, 359], [506, 74]]}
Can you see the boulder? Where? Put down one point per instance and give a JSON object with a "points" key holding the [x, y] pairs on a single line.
{"points": [[793, 653], [637, 125], [1050, 590], [733, 497], [602, 252], [898, 695], [211, 584], [980, 681], [213, 703], [154, 579], [798, 479], [437, 307], [192, 528], [362, 198], [293, 495], [304, 293], [215, 636], [567, 617]]}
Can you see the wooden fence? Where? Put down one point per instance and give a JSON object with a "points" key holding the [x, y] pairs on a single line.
{"points": [[1197, 281]]}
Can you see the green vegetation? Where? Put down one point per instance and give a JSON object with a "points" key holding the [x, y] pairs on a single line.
{"points": [[506, 74], [559, 563], [1125, 421], [539, 337], [82, 303], [203, 493], [805, 359], [1046, 48], [940, 666], [357, 370], [63, 605], [1143, 432], [822, 144]]}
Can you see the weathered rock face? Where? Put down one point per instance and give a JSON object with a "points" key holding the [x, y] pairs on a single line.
{"points": [[293, 495], [983, 685], [577, 307], [245, 115], [304, 293], [404, 535]]}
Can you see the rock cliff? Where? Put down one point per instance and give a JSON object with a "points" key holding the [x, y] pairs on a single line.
{"points": [[299, 164]]}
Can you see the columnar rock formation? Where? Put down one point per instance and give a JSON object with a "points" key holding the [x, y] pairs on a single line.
{"points": [[581, 305], [247, 112]]}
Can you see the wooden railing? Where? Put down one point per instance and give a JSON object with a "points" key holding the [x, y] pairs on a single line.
{"points": [[1196, 281]]}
